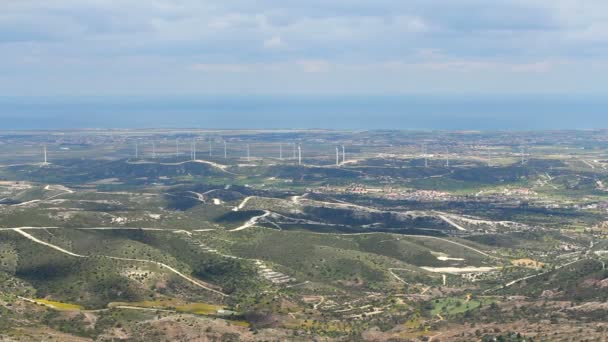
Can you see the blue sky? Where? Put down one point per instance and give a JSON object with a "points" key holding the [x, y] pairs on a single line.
{"points": [[185, 47]]}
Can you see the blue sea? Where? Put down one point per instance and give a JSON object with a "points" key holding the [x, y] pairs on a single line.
{"points": [[453, 112]]}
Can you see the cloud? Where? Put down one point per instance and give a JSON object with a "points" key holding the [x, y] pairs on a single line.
{"points": [[343, 39], [534, 67], [306, 66], [274, 42], [223, 68], [437, 64], [314, 66]]}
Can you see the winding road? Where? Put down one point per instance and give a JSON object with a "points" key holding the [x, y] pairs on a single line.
{"points": [[162, 265]]}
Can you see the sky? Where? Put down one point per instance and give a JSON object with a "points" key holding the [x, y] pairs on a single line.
{"points": [[302, 47]]}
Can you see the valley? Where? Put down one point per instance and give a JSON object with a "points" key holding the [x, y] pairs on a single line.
{"points": [[499, 235]]}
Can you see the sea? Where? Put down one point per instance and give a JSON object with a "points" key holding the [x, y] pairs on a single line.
{"points": [[349, 112]]}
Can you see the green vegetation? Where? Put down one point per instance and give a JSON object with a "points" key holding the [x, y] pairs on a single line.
{"points": [[59, 305], [387, 246], [456, 305]]}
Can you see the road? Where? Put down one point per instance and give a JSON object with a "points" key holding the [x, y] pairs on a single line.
{"points": [[216, 165], [513, 282], [47, 244], [183, 276], [252, 222], [539, 274], [129, 307], [452, 242], [47, 188], [162, 265], [451, 223], [390, 270], [296, 199], [242, 204], [409, 235]]}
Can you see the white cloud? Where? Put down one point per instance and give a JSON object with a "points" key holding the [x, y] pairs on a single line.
{"points": [[224, 68], [314, 66], [345, 39], [306, 66], [534, 67], [413, 24], [274, 42]]}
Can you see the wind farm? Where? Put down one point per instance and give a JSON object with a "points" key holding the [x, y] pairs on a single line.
{"points": [[418, 238], [327, 171]]}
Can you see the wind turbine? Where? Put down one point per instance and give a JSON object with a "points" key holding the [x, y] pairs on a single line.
{"points": [[426, 160], [299, 154], [194, 149], [45, 161], [337, 156]]}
